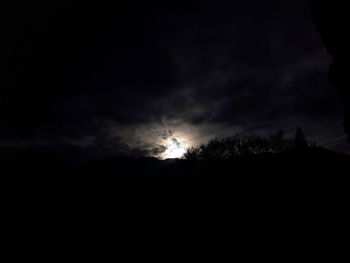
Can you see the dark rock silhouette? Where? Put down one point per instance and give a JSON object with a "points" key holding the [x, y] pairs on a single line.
{"points": [[331, 19]]}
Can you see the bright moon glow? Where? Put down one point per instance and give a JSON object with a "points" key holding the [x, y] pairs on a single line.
{"points": [[175, 149], [174, 152]]}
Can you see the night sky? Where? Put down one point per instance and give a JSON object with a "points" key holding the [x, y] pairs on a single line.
{"points": [[152, 78]]}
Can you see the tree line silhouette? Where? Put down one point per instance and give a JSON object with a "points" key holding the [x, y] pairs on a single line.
{"points": [[244, 145]]}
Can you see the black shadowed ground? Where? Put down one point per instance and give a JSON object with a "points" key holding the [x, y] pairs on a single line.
{"points": [[295, 201]]}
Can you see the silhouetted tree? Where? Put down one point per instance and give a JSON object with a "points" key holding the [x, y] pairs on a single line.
{"points": [[230, 147], [192, 154], [278, 141], [215, 149], [299, 139], [260, 145], [242, 145]]}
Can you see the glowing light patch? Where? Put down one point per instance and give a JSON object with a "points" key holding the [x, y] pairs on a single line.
{"points": [[175, 149]]}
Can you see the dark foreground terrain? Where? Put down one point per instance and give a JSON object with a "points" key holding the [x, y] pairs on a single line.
{"points": [[287, 207]]}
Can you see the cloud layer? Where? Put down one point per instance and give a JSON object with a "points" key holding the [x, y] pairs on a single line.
{"points": [[125, 80]]}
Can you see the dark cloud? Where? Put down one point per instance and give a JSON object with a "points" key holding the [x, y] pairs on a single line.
{"points": [[125, 79], [160, 149]]}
